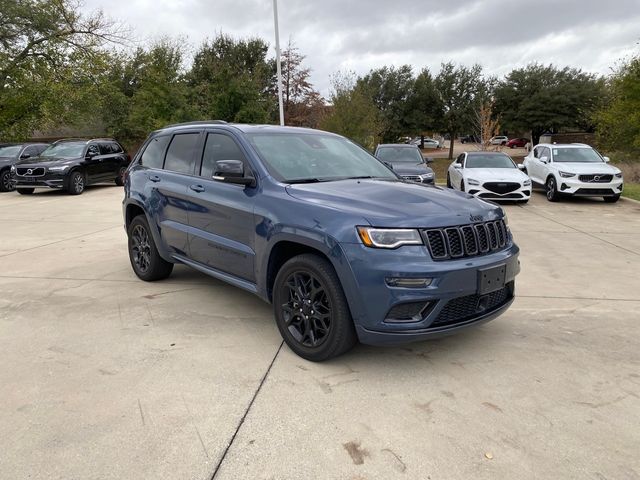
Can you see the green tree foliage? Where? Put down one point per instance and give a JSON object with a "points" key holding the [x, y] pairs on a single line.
{"points": [[390, 89], [459, 89], [619, 121], [50, 63], [541, 98], [353, 112], [233, 80], [145, 91], [424, 106]]}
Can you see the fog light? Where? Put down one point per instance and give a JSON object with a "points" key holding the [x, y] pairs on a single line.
{"points": [[564, 186], [620, 187], [409, 312], [408, 282]]}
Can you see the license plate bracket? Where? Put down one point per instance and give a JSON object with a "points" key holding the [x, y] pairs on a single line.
{"points": [[491, 279]]}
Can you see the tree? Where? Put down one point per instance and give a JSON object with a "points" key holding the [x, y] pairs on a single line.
{"points": [[424, 106], [50, 61], [459, 90], [541, 98], [390, 88], [232, 80], [352, 112], [618, 122], [303, 105], [146, 91]]}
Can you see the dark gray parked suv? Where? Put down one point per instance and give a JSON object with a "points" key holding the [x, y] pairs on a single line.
{"points": [[10, 154], [343, 247]]}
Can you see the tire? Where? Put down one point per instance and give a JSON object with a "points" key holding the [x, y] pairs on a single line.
{"points": [[305, 286], [552, 190], [120, 177], [145, 260], [26, 191], [502, 144], [5, 181], [449, 181], [76, 183], [613, 199], [462, 185], [512, 146]]}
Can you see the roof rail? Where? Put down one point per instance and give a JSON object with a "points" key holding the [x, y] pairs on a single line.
{"points": [[196, 122]]}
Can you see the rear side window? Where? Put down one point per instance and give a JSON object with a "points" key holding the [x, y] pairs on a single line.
{"points": [[153, 155], [180, 155], [219, 147]]}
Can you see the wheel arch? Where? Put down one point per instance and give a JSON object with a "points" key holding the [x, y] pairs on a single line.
{"points": [[131, 210]]}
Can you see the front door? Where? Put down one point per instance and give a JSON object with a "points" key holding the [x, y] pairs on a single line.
{"points": [[221, 216]]}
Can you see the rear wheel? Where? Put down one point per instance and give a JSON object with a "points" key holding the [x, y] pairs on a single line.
{"points": [[311, 310], [76, 183], [147, 263], [613, 199], [552, 190], [120, 177], [26, 191], [5, 181]]}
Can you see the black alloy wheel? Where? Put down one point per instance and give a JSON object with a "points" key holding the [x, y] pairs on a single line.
{"points": [[5, 182], [145, 260], [311, 310]]}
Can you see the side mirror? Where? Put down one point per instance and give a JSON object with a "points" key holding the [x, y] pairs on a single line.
{"points": [[428, 160], [521, 167], [544, 159], [457, 165], [92, 154], [25, 155], [606, 159], [232, 171]]}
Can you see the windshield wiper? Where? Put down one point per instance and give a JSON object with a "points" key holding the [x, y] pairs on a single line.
{"points": [[308, 180]]}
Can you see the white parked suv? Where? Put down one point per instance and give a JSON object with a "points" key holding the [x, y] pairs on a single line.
{"points": [[573, 169], [499, 140]]}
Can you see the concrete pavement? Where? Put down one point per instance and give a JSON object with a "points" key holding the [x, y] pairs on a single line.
{"points": [[105, 376]]}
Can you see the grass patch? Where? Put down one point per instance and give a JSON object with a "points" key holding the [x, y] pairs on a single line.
{"points": [[631, 190]]}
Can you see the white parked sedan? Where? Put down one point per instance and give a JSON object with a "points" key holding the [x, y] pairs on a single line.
{"points": [[489, 175]]}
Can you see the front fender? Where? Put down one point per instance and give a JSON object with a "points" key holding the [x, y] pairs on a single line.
{"points": [[155, 232]]}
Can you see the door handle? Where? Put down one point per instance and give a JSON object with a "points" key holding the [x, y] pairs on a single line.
{"points": [[154, 178], [197, 188]]}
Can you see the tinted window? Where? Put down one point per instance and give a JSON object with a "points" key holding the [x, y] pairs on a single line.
{"points": [[116, 148], [105, 149], [489, 161], [180, 156], [31, 150], [10, 151], [219, 147], [400, 154], [93, 148], [153, 155]]}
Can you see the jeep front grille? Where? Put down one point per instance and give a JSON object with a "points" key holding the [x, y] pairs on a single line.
{"points": [[466, 240]]}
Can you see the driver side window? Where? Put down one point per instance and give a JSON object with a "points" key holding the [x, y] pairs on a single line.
{"points": [[220, 147], [93, 150]]}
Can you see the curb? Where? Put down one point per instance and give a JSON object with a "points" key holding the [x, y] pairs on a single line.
{"points": [[627, 199]]}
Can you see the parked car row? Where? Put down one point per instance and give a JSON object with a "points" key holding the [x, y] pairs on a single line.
{"points": [[503, 140], [69, 164], [561, 170]]}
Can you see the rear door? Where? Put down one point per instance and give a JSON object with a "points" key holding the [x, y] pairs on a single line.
{"points": [[221, 217], [171, 165]]}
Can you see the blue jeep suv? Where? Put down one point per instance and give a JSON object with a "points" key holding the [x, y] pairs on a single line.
{"points": [[343, 248]]}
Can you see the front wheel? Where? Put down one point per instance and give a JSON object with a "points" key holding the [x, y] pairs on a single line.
{"points": [[552, 190], [311, 310], [147, 263], [76, 183], [6, 185], [613, 199]]}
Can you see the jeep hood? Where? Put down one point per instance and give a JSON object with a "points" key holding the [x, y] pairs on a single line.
{"points": [[397, 204]]}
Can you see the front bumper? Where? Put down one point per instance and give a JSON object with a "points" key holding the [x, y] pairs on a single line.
{"points": [[573, 186], [453, 289], [48, 180], [520, 194]]}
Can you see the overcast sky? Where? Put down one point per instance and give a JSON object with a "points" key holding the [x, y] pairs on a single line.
{"points": [[362, 34]]}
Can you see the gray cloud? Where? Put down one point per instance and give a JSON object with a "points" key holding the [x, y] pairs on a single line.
{"points": [[363, 34]]}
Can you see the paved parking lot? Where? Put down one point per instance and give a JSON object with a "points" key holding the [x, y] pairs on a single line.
{"points": [[106, 377]]}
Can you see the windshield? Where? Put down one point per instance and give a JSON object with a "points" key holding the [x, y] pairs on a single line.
{"points": [[303, 157], [399, 154], [64, 150], [576, 155], [10, 151], [489, 161]]}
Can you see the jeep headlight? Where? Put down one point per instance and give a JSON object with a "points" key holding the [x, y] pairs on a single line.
{"points": [[60, 168], [389, 237], [472, 181], [567, 174]]}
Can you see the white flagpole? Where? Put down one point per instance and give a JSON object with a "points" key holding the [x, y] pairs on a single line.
{"points": [[279, 67]]}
